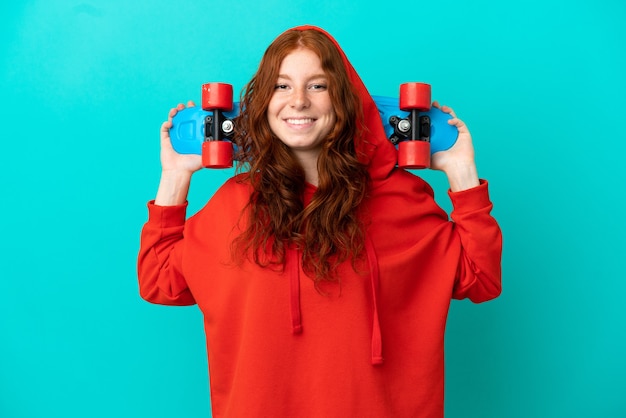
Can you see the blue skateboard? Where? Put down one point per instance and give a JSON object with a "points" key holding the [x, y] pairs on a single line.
{"points": [[417, 129]]}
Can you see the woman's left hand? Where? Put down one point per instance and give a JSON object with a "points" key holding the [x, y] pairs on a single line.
{"points": [[457, 162]]}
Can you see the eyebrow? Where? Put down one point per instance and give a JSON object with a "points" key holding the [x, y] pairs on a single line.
{"points": [[313, 77]]}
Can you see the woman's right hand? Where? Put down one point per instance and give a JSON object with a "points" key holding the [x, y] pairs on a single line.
{"points": [[170, 159], [176, 169]]}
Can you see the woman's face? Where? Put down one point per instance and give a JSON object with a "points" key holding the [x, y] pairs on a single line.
{"points": [[300, 112]]}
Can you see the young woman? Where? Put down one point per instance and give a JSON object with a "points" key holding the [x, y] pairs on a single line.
{"points": [[323, 271]]}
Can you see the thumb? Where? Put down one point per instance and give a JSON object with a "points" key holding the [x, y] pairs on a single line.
{"points": [[165, 134]]}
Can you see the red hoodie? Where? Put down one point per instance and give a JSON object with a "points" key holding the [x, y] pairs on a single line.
{"points": [[370, 347]]}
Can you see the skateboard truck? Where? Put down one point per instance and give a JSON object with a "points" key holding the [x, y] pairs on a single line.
{"points": [[403, 128], [412, 133], [217, 150]]}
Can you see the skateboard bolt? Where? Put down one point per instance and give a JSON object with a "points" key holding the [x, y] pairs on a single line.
{"points": [[228, 126], [404, 126]]}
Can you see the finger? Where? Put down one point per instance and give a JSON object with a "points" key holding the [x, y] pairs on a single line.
{"points": [[460, 125], [448, 110], [165, 135], [190, 103], [166, 126], [445, 109], [175, 110]]}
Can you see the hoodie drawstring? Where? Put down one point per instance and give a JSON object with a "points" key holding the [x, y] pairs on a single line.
{"points": [[293, 260], [296, 311], [377, 339]]}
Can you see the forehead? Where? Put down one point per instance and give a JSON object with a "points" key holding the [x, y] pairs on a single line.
{"points": [[301, 61]]}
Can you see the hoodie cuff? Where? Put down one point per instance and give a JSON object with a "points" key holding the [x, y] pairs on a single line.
{"points": [[471, 199], [167, 216]]}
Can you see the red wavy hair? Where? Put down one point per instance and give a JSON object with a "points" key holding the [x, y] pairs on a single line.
{"points": [[328, 230]]}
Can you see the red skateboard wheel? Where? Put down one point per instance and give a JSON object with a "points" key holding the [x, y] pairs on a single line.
{"points": [[414, 154], [217, 96], [217, 154], [415, 96]]}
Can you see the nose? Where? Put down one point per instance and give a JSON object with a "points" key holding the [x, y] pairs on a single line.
{"points": [[300, 99]]}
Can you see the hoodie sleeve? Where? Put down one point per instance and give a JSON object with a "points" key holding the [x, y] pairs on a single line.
{"points": [[159, 265], [479, 272]]}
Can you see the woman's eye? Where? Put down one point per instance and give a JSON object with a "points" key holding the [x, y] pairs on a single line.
{"points": [[318, 87], [280, 87]]}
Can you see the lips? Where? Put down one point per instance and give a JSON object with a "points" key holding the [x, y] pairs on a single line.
{"points": [[299, 121]]}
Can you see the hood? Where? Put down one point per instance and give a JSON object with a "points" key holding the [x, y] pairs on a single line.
{"points": [[380, 156]]}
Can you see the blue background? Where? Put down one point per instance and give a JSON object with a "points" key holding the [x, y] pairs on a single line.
{"points": [[85, 87]]}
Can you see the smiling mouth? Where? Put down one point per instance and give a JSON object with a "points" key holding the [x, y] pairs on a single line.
{"points": [[300, 121]]}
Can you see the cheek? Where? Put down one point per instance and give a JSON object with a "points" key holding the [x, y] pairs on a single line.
{"points": [[332, 117], [272, 114], [273, 120], [330, 109], [331, 123], [271, 108]]}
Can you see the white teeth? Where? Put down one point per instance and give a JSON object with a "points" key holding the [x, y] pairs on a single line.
{"points": [[299, 121]]}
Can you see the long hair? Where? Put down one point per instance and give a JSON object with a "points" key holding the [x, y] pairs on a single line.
{"points": [[327, 231]]}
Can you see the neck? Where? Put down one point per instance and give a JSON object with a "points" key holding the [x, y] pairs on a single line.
{"points": [[308, 161]]}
